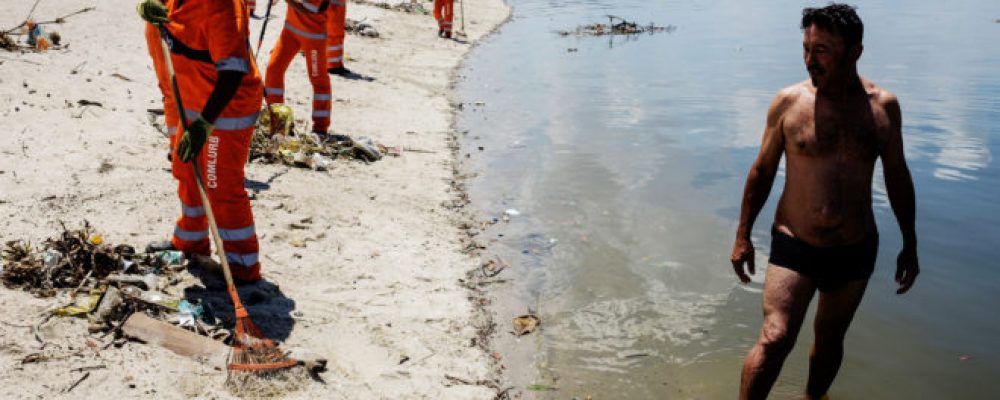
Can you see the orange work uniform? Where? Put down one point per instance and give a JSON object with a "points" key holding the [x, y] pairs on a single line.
{"points": [[304, 31], [335, 34], [206, 37], [443, 15]]}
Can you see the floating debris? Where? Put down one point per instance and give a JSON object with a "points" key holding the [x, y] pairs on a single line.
{"points": [[526, 324], [617, 26]]}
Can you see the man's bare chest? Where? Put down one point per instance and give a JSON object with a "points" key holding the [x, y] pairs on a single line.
{"points": [[845, 132]]}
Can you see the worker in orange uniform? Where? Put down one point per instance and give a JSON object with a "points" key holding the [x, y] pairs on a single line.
{"points": [[305, 31], [335, 38], [443, 15], [221, 93]]}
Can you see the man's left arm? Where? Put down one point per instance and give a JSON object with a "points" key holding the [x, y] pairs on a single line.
{"points": [[899, 186]]}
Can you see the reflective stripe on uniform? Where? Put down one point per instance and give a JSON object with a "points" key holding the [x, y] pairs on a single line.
{"points": [[334, 59], [274, 91], [227, 123], [321, 97], [171, 130], [233, 64], [334, 48], [304, 34], [192, 212], [310, 7], [245, 260], [237, 234], [321, 114], [190, 236]]}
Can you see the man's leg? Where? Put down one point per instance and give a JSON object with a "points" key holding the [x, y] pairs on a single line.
{"points": [[315, 52], [786, 298], [833, 317]]}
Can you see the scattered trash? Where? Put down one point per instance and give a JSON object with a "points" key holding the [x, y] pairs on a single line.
{"points": [[412, 7], [85, 102], [171, 257], [537, 244], [622, 27], [525, 324], [537, 387], [67, 262], [276, 141], [572, 50], [37, 39], [82, 306], [360, 28], [966, 357], [122, 77], [511, 212]]}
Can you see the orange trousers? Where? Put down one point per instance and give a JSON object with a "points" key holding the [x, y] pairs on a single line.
{"points": [[289, 44], [221, 161], [335, 34], [443, 14]]}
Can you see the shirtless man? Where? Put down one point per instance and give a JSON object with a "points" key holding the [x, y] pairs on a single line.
{"points": [[831, 129]]}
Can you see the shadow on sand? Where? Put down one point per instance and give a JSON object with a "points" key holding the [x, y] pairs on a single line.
{"points": [[269, 308]]}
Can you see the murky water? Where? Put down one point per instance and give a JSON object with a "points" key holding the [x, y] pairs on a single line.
{"points": [[626, 157]]}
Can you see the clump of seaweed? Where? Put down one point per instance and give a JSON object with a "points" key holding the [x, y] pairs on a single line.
{"points": [[67, 261], [617, 26]]}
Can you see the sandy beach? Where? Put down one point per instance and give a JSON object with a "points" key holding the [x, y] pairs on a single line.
{"points": [[362, 263]]}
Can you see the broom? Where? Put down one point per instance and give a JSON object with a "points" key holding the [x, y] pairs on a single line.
{"points": [[252, 352], [260, 41]]}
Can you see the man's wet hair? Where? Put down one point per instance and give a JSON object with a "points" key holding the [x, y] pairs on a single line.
{"points": [[836, 18]]}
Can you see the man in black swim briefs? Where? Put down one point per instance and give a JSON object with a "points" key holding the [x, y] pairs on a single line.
{"points": [[831, 129]]}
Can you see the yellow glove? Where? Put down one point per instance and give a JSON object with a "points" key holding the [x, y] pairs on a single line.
{"points": [[153, 11], [193, 139]]}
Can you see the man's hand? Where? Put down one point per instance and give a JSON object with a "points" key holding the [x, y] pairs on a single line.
{"points": [[743, 253], [193, 139], [153, 11], [907, 269]]}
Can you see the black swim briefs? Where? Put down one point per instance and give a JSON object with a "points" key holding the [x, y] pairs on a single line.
{"points": [[829, 267]]}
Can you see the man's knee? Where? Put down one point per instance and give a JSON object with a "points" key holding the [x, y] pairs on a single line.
{"points": [[776, 339]]}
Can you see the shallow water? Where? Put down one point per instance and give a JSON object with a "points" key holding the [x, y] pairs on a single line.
{"points": [[626, 160]]}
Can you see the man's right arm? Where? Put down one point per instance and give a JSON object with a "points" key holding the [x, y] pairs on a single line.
{"points": [[758, 184]]}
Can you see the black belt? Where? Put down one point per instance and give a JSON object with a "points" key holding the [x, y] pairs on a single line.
{"points": [[179, 48]]}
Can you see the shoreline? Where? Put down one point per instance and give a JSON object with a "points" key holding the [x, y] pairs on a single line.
{"points": [[371, 283]]}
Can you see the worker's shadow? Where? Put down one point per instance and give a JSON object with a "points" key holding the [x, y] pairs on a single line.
{"points": [[354, 76], [268, 307]]}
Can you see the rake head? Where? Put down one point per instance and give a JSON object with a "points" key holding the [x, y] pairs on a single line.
{"points": [[253, 353]]}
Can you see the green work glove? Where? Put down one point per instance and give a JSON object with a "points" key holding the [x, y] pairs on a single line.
{"points": [[153, 11], [193, 139]]}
